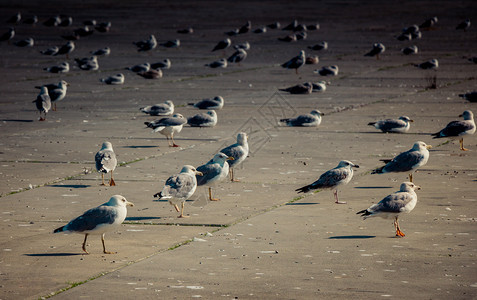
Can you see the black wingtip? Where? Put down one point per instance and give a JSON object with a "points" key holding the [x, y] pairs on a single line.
{"points": [[304, 189], [60, 229], [363, 213], [371, 123]]}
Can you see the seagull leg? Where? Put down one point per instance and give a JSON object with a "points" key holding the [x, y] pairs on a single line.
{"points": [[232, 176], [173, 143], [399, 233], [210, 195], [410, 177], [176, 207], [102, 179], [84, 243], [335, 192], [182, 212], [461, 142], [54, 106], [111, 181], [104, 247]]}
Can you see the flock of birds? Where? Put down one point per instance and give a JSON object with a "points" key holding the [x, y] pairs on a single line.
{"points": [[180, 187]]}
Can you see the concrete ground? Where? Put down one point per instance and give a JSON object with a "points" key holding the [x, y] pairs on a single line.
{"points": [[262, 240]]}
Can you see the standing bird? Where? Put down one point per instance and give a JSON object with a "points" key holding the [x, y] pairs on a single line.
{"points": [[208, 119], [463, 25], [114, 79], [331, 179], [222, 45], [295, 62], [313, 119], [57, 92], [237, 56], [99, 220], [43, 102], [378, 48], [429, 23], [168, 127], [215, 103], [146, 45], [161, 109], [106, 162], [179, 188], [457, 129], [239, 152], [400, 125], [214, 171], [7, 36], [407, 161], [402, 201], [66, 49]]}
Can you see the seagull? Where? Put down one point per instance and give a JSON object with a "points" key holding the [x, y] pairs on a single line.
{"points": [[289, 38], [7, 36], [106, 162], [50, 51], [378, 48], [57, 92], [331, 179], [188, 30], [15, 19], [31, 21], [259, 30], [52, 21], [146, 45], [161, 109], [404, 37], [463, 25], [221, 63], [215, 103], [179, 188], [295, 62], [140, 68], [83, 31], [65, 22], [410, 50], [392, 205], [328, 71], [312, 60], [64, 67], [151, 74], [430, 64], [237, 56], [427, 24], [244, 46], [208, 119], [99, 220], [313, 27], [275, 25], [103, 27], [101, 52], [222, 45], [313, 119], [43, 102], [239, 151], [457, 129], [305, 88], [28, 42], [168, 127], [88, 63], [291, 26], [172, 44], [301, 36], [165, 64], [300, 27], [319, 86], [245, 28], [400, 125], [320, 46], [233, 32], [407, 161], [216, 170], [473, 59], [114, 79], [472, 96]]}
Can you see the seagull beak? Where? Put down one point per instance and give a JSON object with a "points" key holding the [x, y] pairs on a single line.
{"points": [[411, 120], [230, 158], [129, 203], [199, 173], [428, 147], [461, 115], [356, 166], [418, 187]]}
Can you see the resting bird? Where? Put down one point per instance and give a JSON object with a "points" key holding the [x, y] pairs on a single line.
{"points": [[471, 96], [43, 102], [151, 74], [296, 62], [239, 152], [237, 56], [304, 89], [88, 63], [464, 25], [28, 42], [320, 46], [140, 68], [171, 44], [208, 119], [400, 125], [64, 67], [328, 71], [165, 64], [331, 179], [214, 171], [215, 103], [7, 36], [457, 129], [378, 48], [106, 162], [168, 127], [179, 188], [114, 79], [57, 92], [428, 65], [402, 201], [101, 52], [427, 24], [221, 63], [161, 109], [50, 51], [407, 161], [313, 119], [410, 50], [146, 45], [222, 45], [99, 220]]}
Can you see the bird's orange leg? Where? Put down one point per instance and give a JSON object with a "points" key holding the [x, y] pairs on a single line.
{"points": [[210, 195], [84, 243], [111, 181], [104, 247], [335, 192], [410, 177], [461, 142], [182, 212], [102, 179], [173, 143], [399, 233]]}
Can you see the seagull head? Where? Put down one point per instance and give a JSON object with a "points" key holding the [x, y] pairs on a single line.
{"points": [[408, 187], [405, 119], [421, 146], [467, 115], [242, 138], [347, 163], [316, 112], [118, 200], [107, 145], [191, 170]]}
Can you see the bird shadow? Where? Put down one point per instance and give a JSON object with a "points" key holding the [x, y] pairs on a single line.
{"points": [[52, 254], [140, 147], [303, 203], [142, 218], [16, 120], [351, 237], [373, 187], [73, 186]]}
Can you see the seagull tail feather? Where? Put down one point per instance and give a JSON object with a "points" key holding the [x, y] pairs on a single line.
{"points": [[378, 170], [60, 229], [364, 213], [372, 123], [304, 189]]}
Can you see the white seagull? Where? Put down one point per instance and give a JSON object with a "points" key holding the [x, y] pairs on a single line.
{"points": [[313, 119], [400, 125], [457, 129], [43, 102], [296, 62], [331, 179], [239, 152], [99, 220], [114, 79], [378, 48], [106, 162], [146, 45], [208, 119], [328, 71], [215, 103], [402, 201], [214, 171], [161, 109], [168, 127]]}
